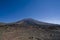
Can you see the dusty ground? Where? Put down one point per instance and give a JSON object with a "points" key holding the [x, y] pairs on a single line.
{"points": [[22, 33]]}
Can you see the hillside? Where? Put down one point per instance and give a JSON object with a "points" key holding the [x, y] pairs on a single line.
{"points": [[29, 29]]}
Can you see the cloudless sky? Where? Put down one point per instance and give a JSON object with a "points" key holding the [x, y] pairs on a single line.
{"points": [[42, 10]]}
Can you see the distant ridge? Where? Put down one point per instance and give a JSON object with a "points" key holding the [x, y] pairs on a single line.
{"points": [[30, 20]]}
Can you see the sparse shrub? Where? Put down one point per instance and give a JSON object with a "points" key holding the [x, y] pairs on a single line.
{"points": [[52, 28], [51, 35], [30, 37]]}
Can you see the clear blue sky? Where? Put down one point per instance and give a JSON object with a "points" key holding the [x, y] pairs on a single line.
{"points": [[42, 10]]}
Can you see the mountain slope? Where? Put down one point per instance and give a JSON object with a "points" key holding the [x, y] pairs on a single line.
{"points": [[31, 22]]}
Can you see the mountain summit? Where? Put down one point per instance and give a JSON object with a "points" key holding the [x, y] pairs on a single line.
{"points": [[30, 20]]}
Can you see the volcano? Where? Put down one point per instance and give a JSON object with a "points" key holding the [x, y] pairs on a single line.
{"points": [[29, 29]]}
